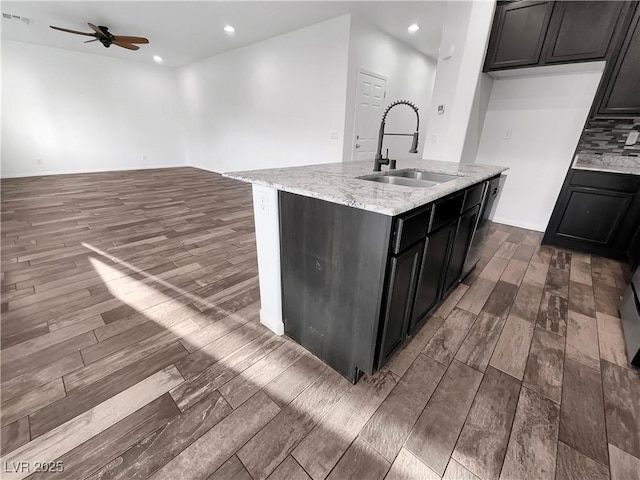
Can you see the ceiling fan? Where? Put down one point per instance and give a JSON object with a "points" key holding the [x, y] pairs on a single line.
{"points": [[104, 36]]}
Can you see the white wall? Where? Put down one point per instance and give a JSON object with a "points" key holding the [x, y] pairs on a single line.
{"points": [[465, 34], [271, 104], [476, 118], [79, 112], [409, 73], [545, 115]]}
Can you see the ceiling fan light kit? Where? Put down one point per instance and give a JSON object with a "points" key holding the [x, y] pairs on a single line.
{"points": [[104, 36]]}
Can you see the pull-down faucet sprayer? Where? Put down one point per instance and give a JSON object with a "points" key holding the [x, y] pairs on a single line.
{"points": [[379, 161]]}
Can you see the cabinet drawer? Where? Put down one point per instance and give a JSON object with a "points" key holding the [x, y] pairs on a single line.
{"points": [[618, 182], [446, 210], [410, 229], [473, 196]]}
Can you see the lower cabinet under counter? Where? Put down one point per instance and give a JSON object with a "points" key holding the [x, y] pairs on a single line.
{"points": [[356, 283]]}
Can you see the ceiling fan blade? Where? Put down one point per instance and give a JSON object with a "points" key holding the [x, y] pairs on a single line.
{"points": [[89, 41], [129, 46], [131, 39], [97, 30], [72, 31]]}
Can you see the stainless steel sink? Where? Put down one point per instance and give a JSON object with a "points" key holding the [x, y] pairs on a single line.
{"points": [[428, 176], [401, 180]]}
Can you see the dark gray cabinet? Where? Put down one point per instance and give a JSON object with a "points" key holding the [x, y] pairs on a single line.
{"points": [[434, 265], [356, 283], [621, 94], [518, 34], [597, 213], [400, 294], [581, 31], [529, 33]]}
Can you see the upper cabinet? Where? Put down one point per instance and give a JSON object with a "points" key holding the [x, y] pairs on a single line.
{"points": [[530, 33], [581, 31], [621, 94], [518, 33]]}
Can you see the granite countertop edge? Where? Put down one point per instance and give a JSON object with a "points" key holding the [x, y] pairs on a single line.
{"points": [[340, 183], [609, 163]]}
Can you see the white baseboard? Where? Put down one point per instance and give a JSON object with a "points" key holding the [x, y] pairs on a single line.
{"points": [[98, 170], [271, 322], [519, 224]]}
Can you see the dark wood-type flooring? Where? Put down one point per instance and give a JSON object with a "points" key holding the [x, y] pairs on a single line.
{"points": [[131, 349]]}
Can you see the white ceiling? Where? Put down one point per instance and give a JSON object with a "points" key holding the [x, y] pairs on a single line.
{"points": [[182, 32]]}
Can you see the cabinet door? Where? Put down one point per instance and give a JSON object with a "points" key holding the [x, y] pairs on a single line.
{"points": [[592, 216], [400, 295], [622, 94], [466, 226], [517, 34], [582, 30], [434, 264]]}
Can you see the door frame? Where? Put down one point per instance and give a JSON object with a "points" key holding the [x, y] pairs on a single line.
{"points": [[355, 105]]}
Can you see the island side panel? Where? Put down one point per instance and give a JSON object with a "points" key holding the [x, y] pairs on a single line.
{"points": [[334, 261], [267, 225]]}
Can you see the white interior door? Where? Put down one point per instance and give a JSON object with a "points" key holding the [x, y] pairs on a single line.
{"points": [[370, 94]]}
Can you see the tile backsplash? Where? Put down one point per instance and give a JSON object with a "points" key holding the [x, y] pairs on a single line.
{"points": [[607, 136]]}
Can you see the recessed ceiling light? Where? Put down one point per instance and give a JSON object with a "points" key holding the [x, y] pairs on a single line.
{"points": [[229, 29], [158, 59], [414, 27]]}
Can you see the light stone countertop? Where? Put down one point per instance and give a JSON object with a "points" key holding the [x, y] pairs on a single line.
{"points": [[339, 183], [607, 163]]}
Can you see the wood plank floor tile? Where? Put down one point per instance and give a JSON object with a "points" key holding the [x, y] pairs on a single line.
{"points": [[28, 381], [514, 273], [327, 442], [544, 365], [483, 441], [536, 272], [611, 339], [534, 436], [557, 282], [494, 269], [582, 340], [264, 452], [451, 301], [573, 465], [501, 299], [581, 299], [20, 406], [512, 350], [475, 298], [582, 423], [213, 377], [85, 458], [45, 357], [455, 471], [406, 355], [445, 343], [390, 426], [524, 252], [75, 432], [436, 431], [289, 469], [295, 379], [211, 450], [553, 312], [407, 466], [82, 399], [621, 388], [506, 250], [580, 271], [477, 348], [623, 465], [248, 382], [360, 460], [527, 301], [231, 470], [156, 449], [607, 299], [14, 435]]}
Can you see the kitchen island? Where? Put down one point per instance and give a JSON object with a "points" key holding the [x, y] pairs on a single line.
{"points": [[350, 265]]}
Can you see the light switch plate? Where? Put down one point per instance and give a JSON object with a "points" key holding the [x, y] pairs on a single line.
{"points": [[632, 138]]}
